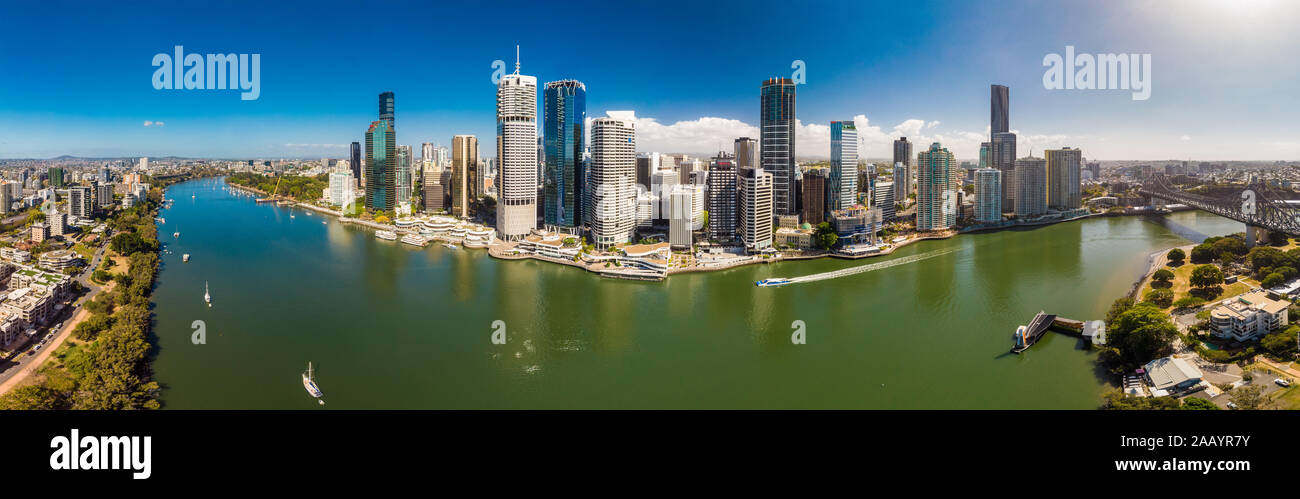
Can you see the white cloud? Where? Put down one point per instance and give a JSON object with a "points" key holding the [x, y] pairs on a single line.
{"points": [[1186, 138], [153, 123]]}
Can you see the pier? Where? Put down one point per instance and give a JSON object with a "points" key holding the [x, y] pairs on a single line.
{"points": [[1092, 331]]}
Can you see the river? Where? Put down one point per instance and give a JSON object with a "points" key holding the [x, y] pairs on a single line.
{"points": [[392, 326]]}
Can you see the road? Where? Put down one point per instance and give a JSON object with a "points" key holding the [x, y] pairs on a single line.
{"points": [[15, 373]]}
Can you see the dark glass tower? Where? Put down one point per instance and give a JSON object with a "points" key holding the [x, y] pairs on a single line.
{"points": [[999, 109], [386, 107], [356, 162], [381, 166], [777, 147], [563, 185]]}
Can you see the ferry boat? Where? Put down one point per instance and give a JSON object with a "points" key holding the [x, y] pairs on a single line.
{"points": [[309, 382], [415, 240], [386, 235], [207, 297], [772, 282], [185, 257]]}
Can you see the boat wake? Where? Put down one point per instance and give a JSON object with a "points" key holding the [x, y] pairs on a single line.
{"points": [[864, 268]]}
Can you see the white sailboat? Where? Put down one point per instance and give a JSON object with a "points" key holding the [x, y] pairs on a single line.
{"points": [[178, 231], [309, 382], [207, 297]]}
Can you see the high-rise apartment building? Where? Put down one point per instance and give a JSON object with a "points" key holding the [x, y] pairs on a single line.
{"points": [[756, 208], [517, 155], [79, 203], [464, 166], [936, 201], [722, 197], [882, 199], [1003, 156], [777, 148], [613, 159], [1031, 187], [1064, 182], [988, 195], [683, 216], [381, 166], [564, 113], [842, 186], [902, 181], [405, 178], [355, 164]]}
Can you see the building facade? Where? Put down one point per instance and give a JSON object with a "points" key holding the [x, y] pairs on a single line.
{"points": [[842, 186], [517, 155], [1064, 178], [722, 198], [756, 208], [381, 166], [564, 115], [777, 153], [613, 159], [464, 166], [1031, 187], [988, 195], [814, 196], [936, 202]]}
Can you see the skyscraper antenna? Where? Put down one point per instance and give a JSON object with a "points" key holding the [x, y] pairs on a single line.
{"points": [[516, 59]]}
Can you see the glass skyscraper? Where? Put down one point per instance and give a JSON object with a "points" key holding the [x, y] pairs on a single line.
{"points": [[386, 107], [381, 166], [842, 187], [777, 122], [563, 179]]}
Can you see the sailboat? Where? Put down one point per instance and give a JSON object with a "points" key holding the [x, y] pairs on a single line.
{"points": [[207, 297], [178, 231], [309, 382]]}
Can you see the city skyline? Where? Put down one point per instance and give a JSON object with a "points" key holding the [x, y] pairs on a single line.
{"points": [[908, 78]]}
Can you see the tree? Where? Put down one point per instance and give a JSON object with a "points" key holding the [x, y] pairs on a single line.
{"points": [[127, 243], [1205, 276], [1248, 397], [1141, 333], [1203, 252], [1161, 297], [1273, 280], [1229, 246], [1163, 275], [1198, 404], [1117, 400], [1119, 306], [1176, 256], [825, 236], [1263, 257], [1281, 342]]}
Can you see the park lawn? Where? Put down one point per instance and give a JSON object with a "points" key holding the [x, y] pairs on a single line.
{"points": [[120, 263], [1182, 285], [1287, 398], [86, 252]]}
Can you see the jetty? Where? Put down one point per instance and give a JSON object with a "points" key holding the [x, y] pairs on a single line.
{"points": [[1025, 336]]}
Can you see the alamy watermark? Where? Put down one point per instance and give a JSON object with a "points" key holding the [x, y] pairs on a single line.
{"points": [[215, 72], [1098, 72]]}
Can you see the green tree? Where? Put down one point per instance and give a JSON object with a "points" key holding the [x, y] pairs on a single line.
{"points": [[1141, 333], [1176, 256], [1205, 276], [1273, 280], [1248, 397], [1163, 275], [1203, 252], [1119, 306], [1198, 404], [825, 236], [1281, 342], [1161, 297]]}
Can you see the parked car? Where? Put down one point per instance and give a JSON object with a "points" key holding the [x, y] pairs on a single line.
{"points": [[1282, 382], [1232, 405]]}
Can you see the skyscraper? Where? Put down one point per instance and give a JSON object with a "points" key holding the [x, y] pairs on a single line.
{"points": [[755, 217], [613, 158], [1031, 187], [1064, 182], [814, 196], [355, 164], [999, 109], [381, 166], [842, 188], [405, 180], [56, 177], [564, 113], [427, 159], [517, 154], [79, 204], [722, 197], [935, 200], [988, 195], [882, 200], [746, 153], [1003, 154], [464, 166], [902, 182], [777, 126], [903, 151], [386, 108]]}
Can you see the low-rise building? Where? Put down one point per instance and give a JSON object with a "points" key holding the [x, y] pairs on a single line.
{"points": [[60, 259], [1171, 375], [15, 255], [1248, 317], [801, 239]]}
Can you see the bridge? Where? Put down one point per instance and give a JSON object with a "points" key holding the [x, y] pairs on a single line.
{"points": [[1255, 204]]}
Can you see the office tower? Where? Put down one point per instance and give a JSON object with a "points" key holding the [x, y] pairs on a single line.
{"points": [[999, 109], [683, 218], [1003, 156], [902, 182], [405, 181], [564, 106], [777, 125], [1031, 187], [647, 206], [432, 190], [355, 164], [103, 195], [79, 204], [756, 208], [1064, 182], [661, 185], [903, 151], [1095, 168], [842, 185], [722, 197], [988, 195], [613, 158], [56, 176], [814, 196], [517, 155], [935, 200], [381, 166], [464, 169], [882, 199], [426, 156], [745, 152], [386, 108], [646, 164]]}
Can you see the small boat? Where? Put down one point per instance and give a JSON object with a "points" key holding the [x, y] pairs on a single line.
{"points": [[772, 282], [386, 235], [207, 297], [415, 240], [185, 257], [309, 382], [322, 222], [450, 246]]}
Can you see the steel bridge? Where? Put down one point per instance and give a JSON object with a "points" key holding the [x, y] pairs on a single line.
{"points": [[1255, 204]]}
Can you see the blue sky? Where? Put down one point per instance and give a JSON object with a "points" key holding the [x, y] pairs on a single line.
{"points": [[76, 76]]}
